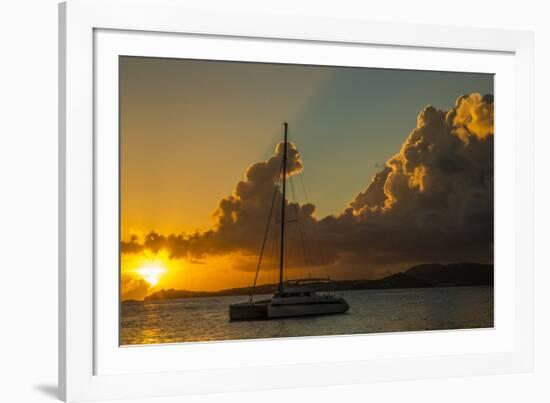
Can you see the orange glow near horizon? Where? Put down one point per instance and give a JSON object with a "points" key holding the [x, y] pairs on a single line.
{"points": [[151, 273], [147, 272]]}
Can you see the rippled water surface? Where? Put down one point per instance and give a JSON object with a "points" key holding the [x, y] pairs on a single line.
{"points": [[207, 319]]}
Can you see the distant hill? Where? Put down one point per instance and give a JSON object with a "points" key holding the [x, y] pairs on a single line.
{"points": [[454, 274], [420, 276]]}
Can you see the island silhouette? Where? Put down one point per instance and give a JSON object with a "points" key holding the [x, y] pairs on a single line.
{"points": [[428, 275]]}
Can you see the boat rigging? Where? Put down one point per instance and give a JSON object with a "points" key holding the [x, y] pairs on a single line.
{"points": [[296, 299]]}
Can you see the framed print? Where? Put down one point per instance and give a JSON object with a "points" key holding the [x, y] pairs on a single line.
{"points": [[247, 204]]}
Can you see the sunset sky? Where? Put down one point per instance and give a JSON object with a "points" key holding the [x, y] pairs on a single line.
{"points": [[191, 129]]}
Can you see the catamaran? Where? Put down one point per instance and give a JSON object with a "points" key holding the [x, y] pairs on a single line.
{"points": [[292, 299]]}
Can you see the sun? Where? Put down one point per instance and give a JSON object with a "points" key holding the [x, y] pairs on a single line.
{"points": [[151, 272]]}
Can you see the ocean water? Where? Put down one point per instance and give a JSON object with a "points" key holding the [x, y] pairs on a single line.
{"points": [[371, 311]]}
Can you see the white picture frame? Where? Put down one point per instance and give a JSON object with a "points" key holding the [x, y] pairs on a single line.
{"points": [[92, 366]]}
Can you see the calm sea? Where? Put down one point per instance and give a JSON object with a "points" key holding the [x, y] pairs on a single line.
{"points": [[206, 319]]}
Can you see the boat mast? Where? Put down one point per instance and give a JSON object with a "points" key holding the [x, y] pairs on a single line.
{"points": [[281, 260]]}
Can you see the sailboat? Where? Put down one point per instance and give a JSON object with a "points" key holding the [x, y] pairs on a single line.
{"points": [[293, 299]]}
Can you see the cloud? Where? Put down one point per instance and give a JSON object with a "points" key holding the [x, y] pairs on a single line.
{"points": [[133, 287], [240, 218], [474, 114], [432, 201]]}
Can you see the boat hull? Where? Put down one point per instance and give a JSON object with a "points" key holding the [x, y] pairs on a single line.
{"points": [[275, 311], [248, 311]]}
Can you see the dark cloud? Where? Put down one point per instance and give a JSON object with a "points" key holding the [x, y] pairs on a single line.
{"points": [[432, 201], [240, 218]]}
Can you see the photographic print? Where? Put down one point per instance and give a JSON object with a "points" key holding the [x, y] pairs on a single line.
{"points": [[263, 200]]}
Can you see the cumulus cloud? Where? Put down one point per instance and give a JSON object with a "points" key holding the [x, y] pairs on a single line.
{"points": [[473, 116], [432, 201], [240, 218]]}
